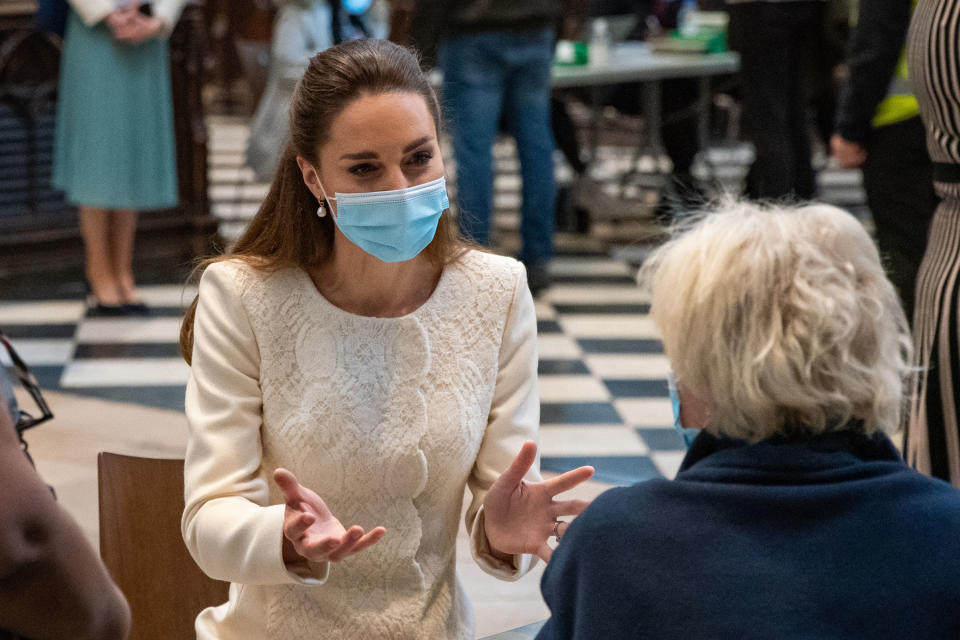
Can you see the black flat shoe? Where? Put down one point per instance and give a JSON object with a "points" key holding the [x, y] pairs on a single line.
{"points": [[137, 308], [100, 310]]}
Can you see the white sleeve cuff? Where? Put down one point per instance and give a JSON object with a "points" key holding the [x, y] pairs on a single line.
{"points": [[169, 13], [92, 11], [309, 573], [480, 550], [304, 572]]}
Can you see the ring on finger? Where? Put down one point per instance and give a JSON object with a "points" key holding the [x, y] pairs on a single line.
{"points": [[556, 529]]}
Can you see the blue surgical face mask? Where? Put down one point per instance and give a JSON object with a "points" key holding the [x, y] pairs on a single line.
{"points": [[393, 226], [688, 435], [356, 7]]}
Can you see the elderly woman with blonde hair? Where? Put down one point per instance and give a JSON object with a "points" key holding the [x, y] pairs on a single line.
{"points": [[792, 515]]}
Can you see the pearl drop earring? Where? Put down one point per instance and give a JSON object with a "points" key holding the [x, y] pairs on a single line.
{"points": [[321, 211]]}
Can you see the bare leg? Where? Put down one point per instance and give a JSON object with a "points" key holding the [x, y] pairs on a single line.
{"points": [[95, 224], [123, 230]]}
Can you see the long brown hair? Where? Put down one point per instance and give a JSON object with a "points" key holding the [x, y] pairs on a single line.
{"points": [[286, 232]]}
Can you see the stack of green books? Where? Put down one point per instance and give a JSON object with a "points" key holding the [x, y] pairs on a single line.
{"points": [[706, 33]]}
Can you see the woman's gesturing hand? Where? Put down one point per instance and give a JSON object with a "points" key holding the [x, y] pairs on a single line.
{"points": [[309, 529], [520, 516]]}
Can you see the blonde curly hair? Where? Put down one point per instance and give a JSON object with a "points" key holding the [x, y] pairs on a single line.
{"points": [[781, 319]]}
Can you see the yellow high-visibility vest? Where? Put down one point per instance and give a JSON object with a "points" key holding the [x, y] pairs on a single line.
{"points": [[900, 103]]}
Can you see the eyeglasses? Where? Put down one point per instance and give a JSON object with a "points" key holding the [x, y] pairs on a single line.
{"points": [[25, 420]]}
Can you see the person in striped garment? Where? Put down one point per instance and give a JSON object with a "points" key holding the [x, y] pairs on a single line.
{"points": [[933, 432]]}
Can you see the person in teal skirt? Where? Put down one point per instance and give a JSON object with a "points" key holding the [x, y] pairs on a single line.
{"points": [[115, 152]]}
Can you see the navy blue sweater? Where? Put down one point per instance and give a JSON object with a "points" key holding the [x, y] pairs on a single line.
{"points": [[830, 538]]}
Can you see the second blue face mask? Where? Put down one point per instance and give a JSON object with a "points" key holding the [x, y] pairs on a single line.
{"points": [[393, 226], [688, 435]]}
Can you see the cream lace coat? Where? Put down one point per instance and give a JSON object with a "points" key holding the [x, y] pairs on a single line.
{"points": [[387, 419]]}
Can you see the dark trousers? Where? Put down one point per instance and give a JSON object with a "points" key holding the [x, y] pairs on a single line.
{"points": [[778, 43], [898, 179], [565, 133]]}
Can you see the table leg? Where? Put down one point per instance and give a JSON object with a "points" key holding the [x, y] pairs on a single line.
{"points": [[653, 143], [652, 107], [594, 123], [703, 124]]}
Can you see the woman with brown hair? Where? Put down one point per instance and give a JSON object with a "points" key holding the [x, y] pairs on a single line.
{"points": [[352, 342]]}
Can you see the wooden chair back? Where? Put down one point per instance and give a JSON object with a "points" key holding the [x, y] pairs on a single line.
{"points": [[141, 501]]}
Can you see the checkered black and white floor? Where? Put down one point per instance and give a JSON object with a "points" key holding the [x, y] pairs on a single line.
{"points": [[602, 370]]}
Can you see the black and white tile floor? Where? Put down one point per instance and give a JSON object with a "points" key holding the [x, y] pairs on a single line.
{"points": [[602, 369]]}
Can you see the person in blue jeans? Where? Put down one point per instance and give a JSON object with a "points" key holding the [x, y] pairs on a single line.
{"points": [[496, 57]]}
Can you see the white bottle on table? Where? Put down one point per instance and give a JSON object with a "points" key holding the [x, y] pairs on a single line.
{"points": [[600, 43], [685, 19]]}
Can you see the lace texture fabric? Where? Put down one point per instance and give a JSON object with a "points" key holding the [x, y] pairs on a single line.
{"points": [[384, 419]]}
